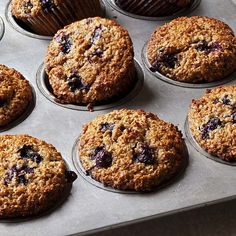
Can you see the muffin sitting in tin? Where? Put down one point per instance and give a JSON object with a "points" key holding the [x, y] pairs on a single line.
{"points": [[33, 176], [194, 50], [131, 150], [15, 95], [46, 17], [212, 122], [90, 61], [153, 8]]}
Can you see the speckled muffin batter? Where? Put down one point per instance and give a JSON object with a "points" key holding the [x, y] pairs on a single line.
{"points": [[15, 95], [33, 176], [90, 61], [153, 7], [212, 122], [46, 17], [195, 49], [131, 150]]}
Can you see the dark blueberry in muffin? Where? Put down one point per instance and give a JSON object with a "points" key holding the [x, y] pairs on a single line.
{"points": [[103, 127], [27, 152], [98, 52], [96, 34], [234, 117], [75, 83], [47, 5], [204, 46], [216, 101], [211, 125], [144, 154], [27, 7], [65, 42], [102, 157], [71, 176], [164, 58], [226, 100], [2, 102]]}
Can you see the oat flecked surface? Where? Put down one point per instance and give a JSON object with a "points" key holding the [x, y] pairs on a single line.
{"points": [[15, 95], [193, 49], [33, 176], [131, 150], [90, 61], [212, 122]]}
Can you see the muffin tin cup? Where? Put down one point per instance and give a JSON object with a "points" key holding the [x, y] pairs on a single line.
{"points": [[24, 115], [183, 84], [2, 28], [22, 28], [184, 12], [78, 166], [200, 150], [45, 89], [42, 214]]}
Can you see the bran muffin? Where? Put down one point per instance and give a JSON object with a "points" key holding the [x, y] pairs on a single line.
{"points": [[212, 122], [46, 17], [131, 150], [90, 61], [15, 95], [153, 8], [193, 50], [33, 176]]}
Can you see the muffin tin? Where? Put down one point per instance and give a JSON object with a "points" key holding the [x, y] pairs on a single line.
{"points": [[89, 208], [2, 28]]}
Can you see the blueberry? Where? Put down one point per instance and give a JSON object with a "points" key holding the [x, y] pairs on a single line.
{"points": [[2, 102], [144, 154], [164, 58], [96, 34], [71, 176], [234, 117], [98, 52], [27, 7], [27, 152], [47, 5], [65, 42], [226, 100], [215, 101], [102, 157], [103, 127], [211, 125], [75, 83], [204, 46]]}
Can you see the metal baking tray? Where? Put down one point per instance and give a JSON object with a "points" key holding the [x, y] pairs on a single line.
{"points": [[92, 209]]}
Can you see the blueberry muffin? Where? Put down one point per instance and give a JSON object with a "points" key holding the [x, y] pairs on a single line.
{"points": [[15, 95], [90, 61], [153, 7], [33, 176], [46, 17], [193, 50], [212, 122], [131, 150]]}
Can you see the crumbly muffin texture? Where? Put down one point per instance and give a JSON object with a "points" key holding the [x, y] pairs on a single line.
{"points": [[153, 7], [195, 49], [33, 176], [212, 122], [90, 61], [15, 95], [131, 150]]}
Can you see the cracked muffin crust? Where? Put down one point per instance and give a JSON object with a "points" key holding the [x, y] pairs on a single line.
{"points": [[90, 61], [212, 122], [131, 150], [46, 17], [15, 95], [153, 7], [194, 50], [33, 176]]}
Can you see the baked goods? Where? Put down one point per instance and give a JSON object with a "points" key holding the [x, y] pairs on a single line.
{"points": [[15, 95], [153, 7], [193, 50], [33, 176], [46, 17], [212, 122], [131, 150], [90, 61]]}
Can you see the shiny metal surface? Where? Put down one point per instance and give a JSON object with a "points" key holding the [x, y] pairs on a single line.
{"points": [[90, 208]]}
